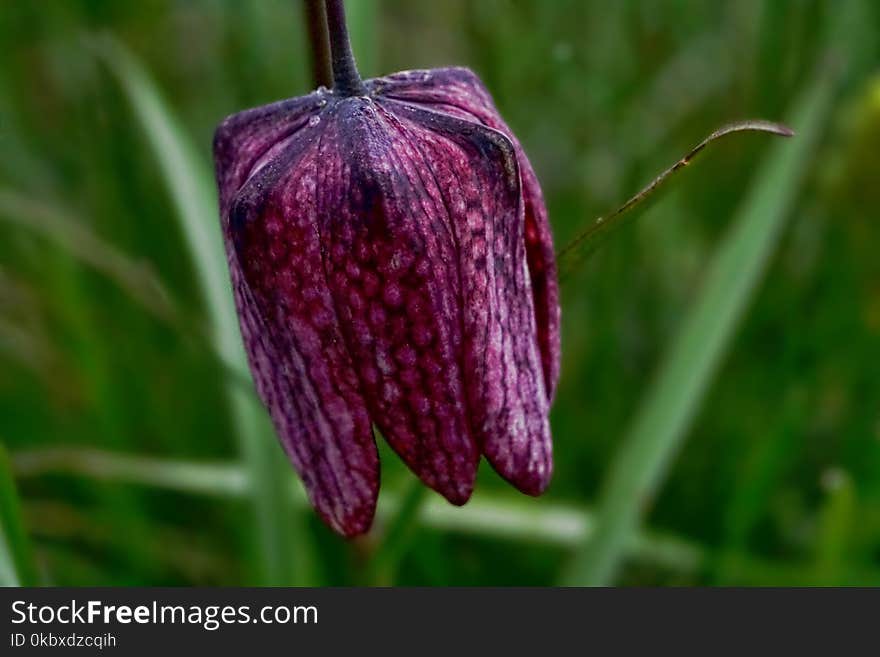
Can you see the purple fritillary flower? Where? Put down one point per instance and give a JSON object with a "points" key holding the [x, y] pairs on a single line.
{"points": [[392, 265]]}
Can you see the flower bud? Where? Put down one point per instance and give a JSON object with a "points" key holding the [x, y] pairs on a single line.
{"points": [[392, 265]]}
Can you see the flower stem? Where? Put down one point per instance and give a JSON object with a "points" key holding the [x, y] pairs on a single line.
{"points": [[346, 79], [319, 43]]}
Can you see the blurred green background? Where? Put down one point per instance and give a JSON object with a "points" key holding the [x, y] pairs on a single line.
{"points": [[718, 420]]}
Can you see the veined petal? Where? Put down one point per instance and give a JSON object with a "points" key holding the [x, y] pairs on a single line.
{"points": [[246, 140], [391, 262], [475, 169], [542, 271], [459, 92], [291, 332]]}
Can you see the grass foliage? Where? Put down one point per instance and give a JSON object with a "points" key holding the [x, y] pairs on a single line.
{"points": [[718, 419]]}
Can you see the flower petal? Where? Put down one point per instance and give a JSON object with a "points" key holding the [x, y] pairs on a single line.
{"points": [[475, 168], [542, 271], [245, 141], [391, 263], [302, 370], [458, 91]]}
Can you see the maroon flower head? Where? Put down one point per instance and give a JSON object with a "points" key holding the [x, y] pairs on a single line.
{"points": [[392, 264]]}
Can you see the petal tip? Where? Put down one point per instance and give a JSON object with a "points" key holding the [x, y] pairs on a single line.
{"points": [[534, 486], [460, 496], [352, 528]]}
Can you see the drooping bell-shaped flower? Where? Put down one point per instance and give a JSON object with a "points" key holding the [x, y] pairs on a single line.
{"points": [[392, 265]]}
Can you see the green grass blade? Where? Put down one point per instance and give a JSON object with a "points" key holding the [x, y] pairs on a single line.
{"points": [[16, 563], [487, 515], [190, 183], [837, 518], [575, 253], [398, 535], [687, 370], [67, 233], [491, 516], [285, 554]]}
